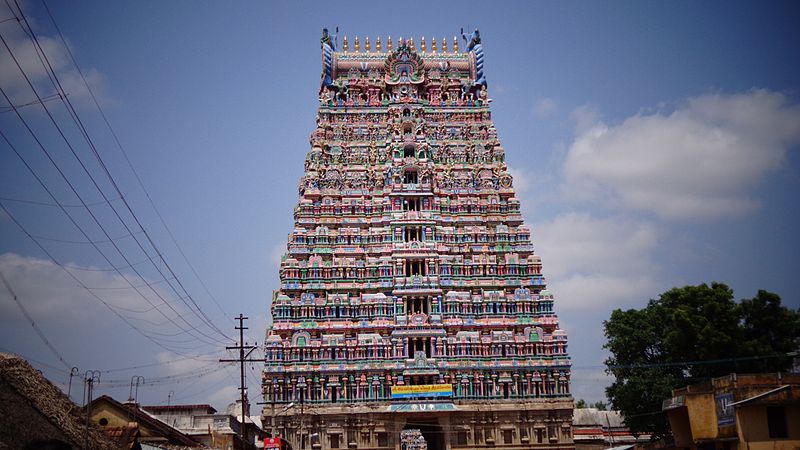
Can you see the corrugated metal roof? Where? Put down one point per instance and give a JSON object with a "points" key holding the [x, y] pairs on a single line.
{"points": [[593, 416]]}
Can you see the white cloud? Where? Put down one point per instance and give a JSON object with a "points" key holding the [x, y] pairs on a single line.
{"points": [[580, 243], [50, 294], [275, 255], [597, 263], [702, 160], [585, 117], [224, 396], [25, 52], [603, 292], [523, 180], [589, 383], [47, 291], [544, 107]]}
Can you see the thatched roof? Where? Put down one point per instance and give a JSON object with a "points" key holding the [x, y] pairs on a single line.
{"points": [[32, 409]]}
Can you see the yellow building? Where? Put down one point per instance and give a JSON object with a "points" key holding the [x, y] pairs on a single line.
{"points": [[748, 412]]}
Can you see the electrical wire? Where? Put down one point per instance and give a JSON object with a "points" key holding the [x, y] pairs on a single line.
{"points": [[91, 213], [697, 362], [81, 284], [36, 327], [76, 119], [34, 202], [163, 363], [5, 109], [168, 379]]}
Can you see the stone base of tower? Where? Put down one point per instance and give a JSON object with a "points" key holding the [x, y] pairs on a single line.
{"points": [[508, 425]]}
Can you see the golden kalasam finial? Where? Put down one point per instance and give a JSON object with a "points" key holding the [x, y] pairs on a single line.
{"points": [[400, 42], [357, 46], [444, 45], [433, 45], [455, 44], [367, 47], [378, 44], [389, 44], [345, 47], [422, 46]]}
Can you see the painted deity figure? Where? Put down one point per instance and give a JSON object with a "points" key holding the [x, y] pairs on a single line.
{"points": [[473, 40], [328, 44], [474, 46], [404, 78]]}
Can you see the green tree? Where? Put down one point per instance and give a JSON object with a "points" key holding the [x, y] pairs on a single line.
{"points": [[600, 405], [580, 404], [689, 334]]}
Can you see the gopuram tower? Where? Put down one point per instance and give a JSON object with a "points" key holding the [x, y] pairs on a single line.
{"points": [[412, 311]]}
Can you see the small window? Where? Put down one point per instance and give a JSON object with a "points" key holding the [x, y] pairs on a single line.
{"points": [[351, 438], [335, 440], [410, 177], [383, 439], [409, 151], [508, 436], [461, 438], [415, 267], [412, 204], [776, 422], [103, 421], [412, 234], [552, 433]]}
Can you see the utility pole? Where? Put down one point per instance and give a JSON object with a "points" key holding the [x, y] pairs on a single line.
{"points": [[74, 372], [90, 378], [241, 360]]}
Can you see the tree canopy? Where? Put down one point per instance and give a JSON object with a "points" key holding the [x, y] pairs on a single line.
{"points": [[689, 334]]}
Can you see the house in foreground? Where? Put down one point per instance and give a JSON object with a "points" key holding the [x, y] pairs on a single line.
{"points": [[737, 412], [34, 412], [205, 425], [127, 419]]}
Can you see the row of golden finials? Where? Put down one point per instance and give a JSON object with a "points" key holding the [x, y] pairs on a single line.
{"points": [[409, 43]]}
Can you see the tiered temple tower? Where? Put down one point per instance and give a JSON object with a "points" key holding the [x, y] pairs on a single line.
{"points": [[410, 296]]}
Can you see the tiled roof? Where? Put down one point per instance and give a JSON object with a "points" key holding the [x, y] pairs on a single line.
{"points": [[145, 419]]}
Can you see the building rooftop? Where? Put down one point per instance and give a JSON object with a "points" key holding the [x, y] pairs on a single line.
{"points": [[34, 409]]}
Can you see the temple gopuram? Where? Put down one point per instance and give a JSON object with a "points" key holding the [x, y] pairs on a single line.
{"points": [[412, 310]]}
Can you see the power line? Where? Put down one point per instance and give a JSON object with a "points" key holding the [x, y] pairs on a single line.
{"points": [[5, 109], [69, 241], [27, 315], [79, 123], [75, 223], [56, 205], [54, 79], [697, 362], [81, 284], [162, 363]]}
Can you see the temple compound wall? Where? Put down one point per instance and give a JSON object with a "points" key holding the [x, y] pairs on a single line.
{"points": [[412, 309]]}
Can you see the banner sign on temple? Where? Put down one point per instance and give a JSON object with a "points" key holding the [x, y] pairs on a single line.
{"points": [[423, 390]]}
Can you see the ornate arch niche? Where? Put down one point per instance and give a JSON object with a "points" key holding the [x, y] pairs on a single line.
{"points": [[404, 66], [301, 339]]}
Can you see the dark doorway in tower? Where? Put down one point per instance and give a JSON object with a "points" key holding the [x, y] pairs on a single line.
{"points": [[409, 151], [410, 177], [431, 431]]}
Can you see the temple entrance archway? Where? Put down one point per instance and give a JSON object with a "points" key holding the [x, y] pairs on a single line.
{"points": [[431, 431]]}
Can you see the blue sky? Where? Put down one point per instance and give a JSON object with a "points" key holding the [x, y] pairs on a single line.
{"points": [[653, 144]]}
